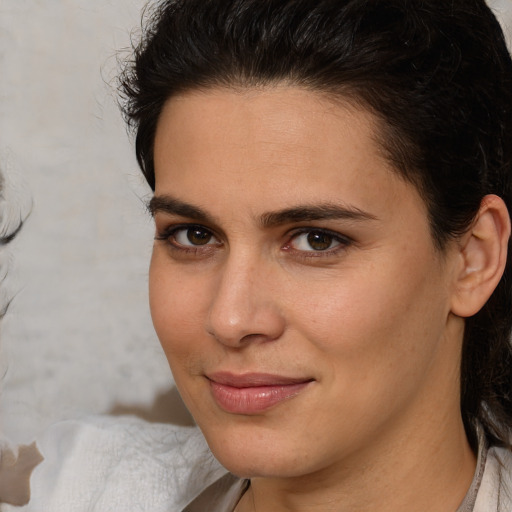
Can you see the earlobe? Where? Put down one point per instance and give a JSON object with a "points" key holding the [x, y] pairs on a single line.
{"points": [[483, 256]]}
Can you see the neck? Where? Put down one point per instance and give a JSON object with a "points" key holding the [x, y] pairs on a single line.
{"points": [[419, 473]]}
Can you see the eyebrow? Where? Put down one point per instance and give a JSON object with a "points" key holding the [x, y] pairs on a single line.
{"points": [[300, 213], [306, 213], [172, 206]]}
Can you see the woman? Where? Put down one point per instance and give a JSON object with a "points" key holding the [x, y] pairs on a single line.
{"points": [[331, 187], [329, 277]]}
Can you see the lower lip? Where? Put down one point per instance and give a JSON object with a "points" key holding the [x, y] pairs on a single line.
{"points": [[253, 400]]}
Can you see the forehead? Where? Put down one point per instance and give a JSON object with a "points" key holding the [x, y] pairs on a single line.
{"points": [[268, 118], [274, 146]]}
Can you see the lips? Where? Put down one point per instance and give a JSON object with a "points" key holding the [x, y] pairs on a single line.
{"points": [[253, 393]]}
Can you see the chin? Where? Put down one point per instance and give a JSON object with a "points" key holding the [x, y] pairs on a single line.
{"points": [[264, 464], [258, 451]]}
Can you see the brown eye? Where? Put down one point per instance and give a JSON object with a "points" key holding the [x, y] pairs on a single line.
{"points": [[192, 236], [319, 241], [198, 236]]}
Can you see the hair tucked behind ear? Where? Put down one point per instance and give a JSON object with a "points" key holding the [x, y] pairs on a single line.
{"points": [[437, 74]]}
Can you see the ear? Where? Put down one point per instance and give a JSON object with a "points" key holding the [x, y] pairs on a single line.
{"points": [[482, 257]]}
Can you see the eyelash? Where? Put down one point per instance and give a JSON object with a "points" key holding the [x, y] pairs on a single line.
{"points": [[168, 235], [343, 242]]}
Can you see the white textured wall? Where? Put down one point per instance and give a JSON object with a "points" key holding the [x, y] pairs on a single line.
{"points": [[503, 9], [78, 337]]}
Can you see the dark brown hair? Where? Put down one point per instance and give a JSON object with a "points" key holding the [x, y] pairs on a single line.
{"points": [[436, 73]]}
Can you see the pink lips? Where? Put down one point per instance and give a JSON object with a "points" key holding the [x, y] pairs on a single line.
{"points": [[253, 393]]}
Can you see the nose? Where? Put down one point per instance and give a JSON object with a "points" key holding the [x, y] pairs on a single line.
{"points": [[244, 307]]}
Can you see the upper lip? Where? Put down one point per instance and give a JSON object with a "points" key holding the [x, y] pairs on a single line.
{"points": [[248, 380]]}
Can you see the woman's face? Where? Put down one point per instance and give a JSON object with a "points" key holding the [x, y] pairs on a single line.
{"points": [[294, 284]]}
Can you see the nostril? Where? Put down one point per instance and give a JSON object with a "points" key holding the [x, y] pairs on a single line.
{"points": [[251, 331], [257, 337], [243, 340]]}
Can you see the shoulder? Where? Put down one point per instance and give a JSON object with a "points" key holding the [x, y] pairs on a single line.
{"points": [[105, 464]]}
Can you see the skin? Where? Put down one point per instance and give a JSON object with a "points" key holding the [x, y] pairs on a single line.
{"points": [[369, 320]]}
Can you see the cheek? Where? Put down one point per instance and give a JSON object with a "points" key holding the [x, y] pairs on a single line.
{"points": [[178, 305], [380, 324]]}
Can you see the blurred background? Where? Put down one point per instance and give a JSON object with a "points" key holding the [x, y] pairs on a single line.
{"points": [[77, 338]]}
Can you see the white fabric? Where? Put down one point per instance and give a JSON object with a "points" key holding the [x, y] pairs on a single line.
{"points": [[109, 464]]}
